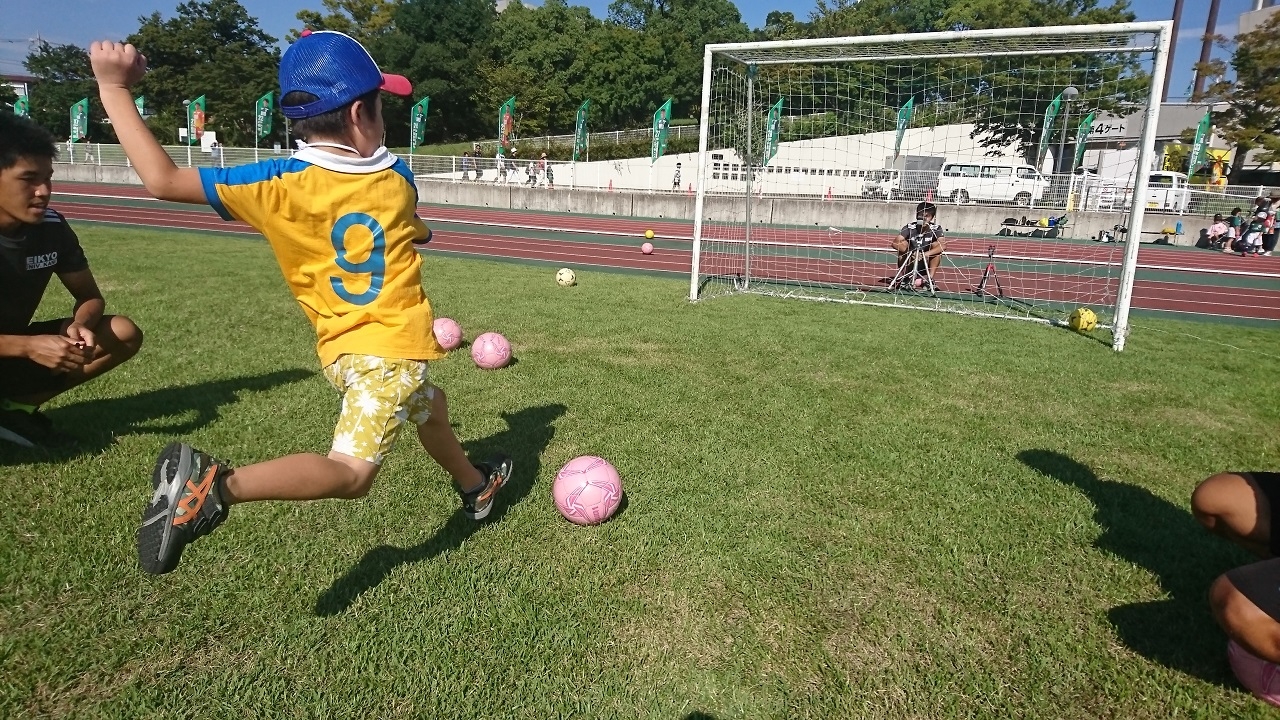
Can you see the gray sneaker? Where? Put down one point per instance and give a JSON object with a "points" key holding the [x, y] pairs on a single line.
{"points": [[477, 503], [186, 504]]}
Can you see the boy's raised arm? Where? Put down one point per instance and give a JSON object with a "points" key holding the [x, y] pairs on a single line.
{"points": [[118, 67]]}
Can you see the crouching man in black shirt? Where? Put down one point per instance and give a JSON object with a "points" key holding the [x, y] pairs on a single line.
{"points": [[39, 360]]}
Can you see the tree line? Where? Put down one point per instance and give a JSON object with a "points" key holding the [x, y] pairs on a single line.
{"points": [[468, 58]]}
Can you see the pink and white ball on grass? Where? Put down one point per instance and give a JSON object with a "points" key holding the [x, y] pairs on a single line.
{"points": [[587, 490], [491, 351], [448, 333]]}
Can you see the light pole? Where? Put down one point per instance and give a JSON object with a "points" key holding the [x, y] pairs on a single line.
{"points": [[1068, 94], [186, 106]]}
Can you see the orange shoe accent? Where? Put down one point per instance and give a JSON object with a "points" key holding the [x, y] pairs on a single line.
{"points": [[191, 504]]}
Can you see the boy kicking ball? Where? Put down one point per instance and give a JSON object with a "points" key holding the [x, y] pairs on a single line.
{"points": [[343, 195]]}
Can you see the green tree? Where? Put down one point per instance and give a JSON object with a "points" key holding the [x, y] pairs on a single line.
{"points": [[63, 77], [1250, 118], [682, 28], [540, 55], [212, 48], [1005, 98], [363, 20], [7, 97], [440, 46], [625, 81], [782, 25]]}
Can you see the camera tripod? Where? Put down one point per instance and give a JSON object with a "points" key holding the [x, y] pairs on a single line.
{"points": [[989, 276], [915, 267]]}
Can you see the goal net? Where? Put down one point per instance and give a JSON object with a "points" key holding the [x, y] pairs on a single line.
{"points": [[1033, 146]]}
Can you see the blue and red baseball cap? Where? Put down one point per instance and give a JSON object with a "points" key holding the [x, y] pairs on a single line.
{"points": [[336, 69]]}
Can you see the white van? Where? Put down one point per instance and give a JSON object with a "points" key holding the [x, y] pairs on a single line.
{"points": [[964, 182], [885, 184], [1168, 191]]}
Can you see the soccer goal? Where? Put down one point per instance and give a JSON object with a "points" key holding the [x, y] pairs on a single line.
{"points": [[1033, 144]]}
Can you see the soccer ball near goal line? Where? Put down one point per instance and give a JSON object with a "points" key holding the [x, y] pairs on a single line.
{"points": [[1083, 320]]}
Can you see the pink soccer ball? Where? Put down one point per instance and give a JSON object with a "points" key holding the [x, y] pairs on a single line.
{"points": [[448, 333], [491, 351], [1257, 675], [587, 490], [647, 248]]}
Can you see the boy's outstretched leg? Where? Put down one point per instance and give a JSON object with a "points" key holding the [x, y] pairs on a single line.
{"points": [[477, 483]]}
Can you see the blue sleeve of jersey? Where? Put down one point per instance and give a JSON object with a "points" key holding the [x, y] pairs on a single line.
{"points": [[243, 184], [209, 180], [403, 170]]}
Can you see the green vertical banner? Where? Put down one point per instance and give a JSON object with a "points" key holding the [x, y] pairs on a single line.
{"points": [[418, 123], [80, 120], [140, 102], [1200, 146], [580, 130], [1082, 134], [904, 120], [1046, 129], [506, 124], [661, 125], [195, 120], [22, 106], [773, 129], [263, 112]]}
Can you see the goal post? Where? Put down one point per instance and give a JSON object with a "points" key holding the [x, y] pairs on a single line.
{"points": [[1033, 145]]}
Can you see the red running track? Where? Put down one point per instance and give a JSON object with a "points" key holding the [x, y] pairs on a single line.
{"points": [[1155, 295]]}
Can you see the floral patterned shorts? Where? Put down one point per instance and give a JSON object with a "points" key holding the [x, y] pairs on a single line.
{"points": [[378, 395]]}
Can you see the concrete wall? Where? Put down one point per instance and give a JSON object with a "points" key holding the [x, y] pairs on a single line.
{"points": [[886, 216]]}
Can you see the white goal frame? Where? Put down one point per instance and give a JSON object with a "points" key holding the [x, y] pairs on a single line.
{"points": [[829, 50]]}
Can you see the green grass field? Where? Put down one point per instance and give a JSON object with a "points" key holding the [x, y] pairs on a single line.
{"points": [[833, 512]]}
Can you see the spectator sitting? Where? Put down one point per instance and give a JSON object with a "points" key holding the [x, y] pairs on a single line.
{"points": [[1219, 233], [925, 235], [1235, 229], [1246, 600]]}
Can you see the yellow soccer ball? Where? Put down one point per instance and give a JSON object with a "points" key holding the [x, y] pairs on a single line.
{"points": [[565, 277], [648, 234], [1083, 320]]}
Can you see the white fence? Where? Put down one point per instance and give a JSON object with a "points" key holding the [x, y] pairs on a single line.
{"points": [[1058, 194]]}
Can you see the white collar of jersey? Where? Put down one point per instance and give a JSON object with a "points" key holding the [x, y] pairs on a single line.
{"points": [[381, 159]]}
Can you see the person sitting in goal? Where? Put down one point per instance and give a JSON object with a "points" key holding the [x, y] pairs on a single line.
{"points": [[922, 235], [347, 253], [1246, 600]]}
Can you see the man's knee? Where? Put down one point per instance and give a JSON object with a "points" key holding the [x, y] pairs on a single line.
{"points": [[1244, 621], [122, 337], [1216, 497]]}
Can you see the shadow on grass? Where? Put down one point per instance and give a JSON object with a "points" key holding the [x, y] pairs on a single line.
{"points": [[1178, 632], [95, 423], [528, 433]]}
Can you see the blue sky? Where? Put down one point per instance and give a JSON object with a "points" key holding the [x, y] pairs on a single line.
{"points": [[82, 21]]}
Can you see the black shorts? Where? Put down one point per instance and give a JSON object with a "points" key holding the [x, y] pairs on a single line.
{"points": [[1260, 581], [20, 377]]}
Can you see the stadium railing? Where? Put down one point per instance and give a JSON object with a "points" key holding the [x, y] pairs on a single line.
{"points": [[1062, 193]]}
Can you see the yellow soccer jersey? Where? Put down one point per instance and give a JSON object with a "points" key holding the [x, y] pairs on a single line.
{"points": [[342, 230]]}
